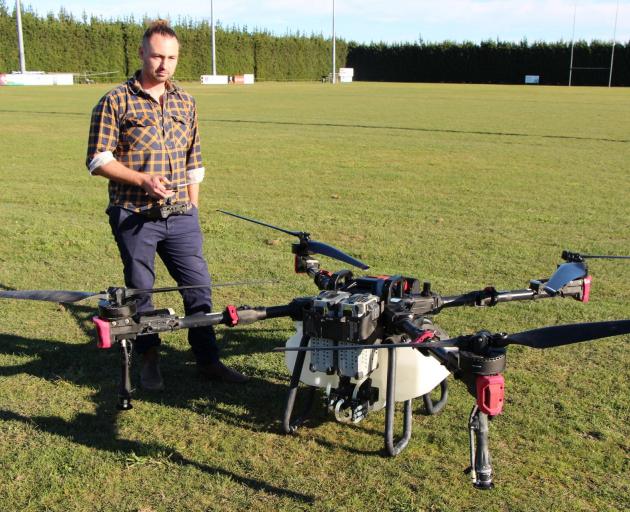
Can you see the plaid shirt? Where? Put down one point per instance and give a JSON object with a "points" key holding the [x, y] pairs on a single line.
{"points": [[146, 137]]}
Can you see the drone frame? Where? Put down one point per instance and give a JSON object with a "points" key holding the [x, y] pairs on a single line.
{"points": [[406, 322]]}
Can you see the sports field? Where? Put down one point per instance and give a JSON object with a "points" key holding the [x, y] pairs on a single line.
{"points": [[462, 185]]}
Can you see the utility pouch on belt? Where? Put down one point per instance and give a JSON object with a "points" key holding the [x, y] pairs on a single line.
{"points": [[165, 211]]}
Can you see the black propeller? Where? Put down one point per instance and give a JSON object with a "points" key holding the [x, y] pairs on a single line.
{"points": [[133, 292], [558, 335], [576, 256], [333, 252], [65, 296], [69, 296], [544, 337], [313, 246]]}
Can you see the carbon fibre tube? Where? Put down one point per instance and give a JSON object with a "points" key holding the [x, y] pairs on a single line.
{"points": [[201, 320], [244, 316], [481, 463], [288, 426]]}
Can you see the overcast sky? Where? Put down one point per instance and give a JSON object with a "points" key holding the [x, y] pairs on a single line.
{"points": [[384, 20]]}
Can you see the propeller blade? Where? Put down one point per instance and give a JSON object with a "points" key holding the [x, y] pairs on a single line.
{"points": [[545, 337], [606, 257], [312, 245], [454, 342], [333, 252], [69, 296], [50, 295], [576, 256], [132, 292], [556, 336], [299, 234], [565, 273]]}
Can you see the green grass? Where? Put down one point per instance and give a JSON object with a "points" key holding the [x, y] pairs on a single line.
{"points": [[462, 185]]}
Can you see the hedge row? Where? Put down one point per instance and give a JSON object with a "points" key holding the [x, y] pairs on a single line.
{"points": [[62, 43], [491, 62]]}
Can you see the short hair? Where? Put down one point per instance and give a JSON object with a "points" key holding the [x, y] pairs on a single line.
{"points": [[158, 27]]}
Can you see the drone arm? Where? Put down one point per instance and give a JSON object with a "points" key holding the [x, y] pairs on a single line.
{"points": [[323, 279], [490, 297], [115, 329], [243, 315], [419, 336], [577, 289], [201, 320]]}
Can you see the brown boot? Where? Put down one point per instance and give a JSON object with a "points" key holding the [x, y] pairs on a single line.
{"points": [[218, 371], [150, 374]]}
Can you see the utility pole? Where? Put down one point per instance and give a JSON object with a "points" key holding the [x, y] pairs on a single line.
{"points": [[18, 21], [572, 44], [612, 53], [214, 55], [334, 49]]}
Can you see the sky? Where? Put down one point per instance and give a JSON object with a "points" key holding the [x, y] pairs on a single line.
{"points": [[389, 21]]}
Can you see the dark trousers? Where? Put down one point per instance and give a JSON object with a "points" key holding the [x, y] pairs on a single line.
{"points": [[178, 242]]}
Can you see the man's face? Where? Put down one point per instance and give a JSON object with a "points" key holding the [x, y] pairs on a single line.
{"points": [[159, 58]]}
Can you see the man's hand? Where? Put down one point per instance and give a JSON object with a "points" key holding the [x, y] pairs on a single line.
{"points": [[156, 186]]}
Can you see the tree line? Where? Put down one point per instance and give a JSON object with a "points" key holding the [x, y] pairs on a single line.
{"points": [[61, 43], [491, 62]]}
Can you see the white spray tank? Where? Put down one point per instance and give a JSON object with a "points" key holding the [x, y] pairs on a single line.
{"points": [[308, 377], [416, 374]]}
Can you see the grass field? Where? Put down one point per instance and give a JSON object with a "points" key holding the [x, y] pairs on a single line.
{"points": [[462, 185]]}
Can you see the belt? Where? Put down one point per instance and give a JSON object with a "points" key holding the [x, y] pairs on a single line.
{"points": [[166, 210]]}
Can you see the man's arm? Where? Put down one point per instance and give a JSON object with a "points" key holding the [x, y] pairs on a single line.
{"points": [[153, 185], [194, 167], [193, 194]]}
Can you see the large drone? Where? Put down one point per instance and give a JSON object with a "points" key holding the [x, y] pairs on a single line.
{"points": [[348, 336]]}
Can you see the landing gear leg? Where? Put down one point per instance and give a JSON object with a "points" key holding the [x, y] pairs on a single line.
{"points": [[288, 426], [480, 462], [432, 407], [392, 448], [124, 393]]}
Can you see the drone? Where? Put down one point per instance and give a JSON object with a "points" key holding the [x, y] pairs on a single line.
{"points": [[348, 336]]}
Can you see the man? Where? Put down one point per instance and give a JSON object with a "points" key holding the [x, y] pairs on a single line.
{"points": [[144, 138]]}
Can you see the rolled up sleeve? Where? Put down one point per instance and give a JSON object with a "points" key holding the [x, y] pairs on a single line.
{"points": [[193, 156], [103, 137]]}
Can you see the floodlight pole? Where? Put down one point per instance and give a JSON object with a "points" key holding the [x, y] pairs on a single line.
{"points": [[214, 55], [612, 53], [334, 78], [18, 22], [572, 43]]}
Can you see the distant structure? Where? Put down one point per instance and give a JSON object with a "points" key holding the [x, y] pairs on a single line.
{"points": [[215, 79], [24, 77], [612, 52]]}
